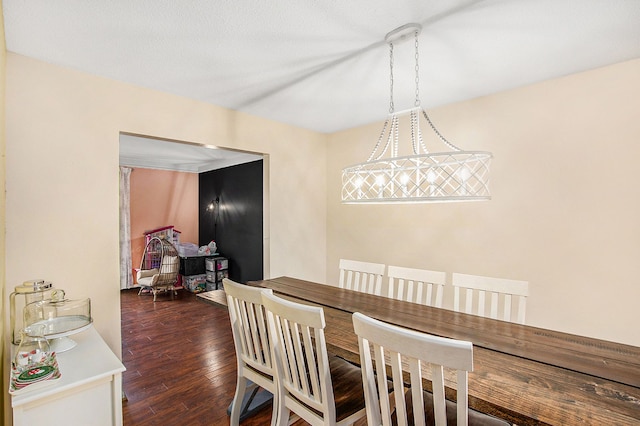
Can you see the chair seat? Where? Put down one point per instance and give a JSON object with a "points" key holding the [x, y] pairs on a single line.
{"points": [[346, 379], [145, 281], [259, 374], [476, 418]]}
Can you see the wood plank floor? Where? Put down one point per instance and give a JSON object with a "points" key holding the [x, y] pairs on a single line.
{"points": [[180, 360]]}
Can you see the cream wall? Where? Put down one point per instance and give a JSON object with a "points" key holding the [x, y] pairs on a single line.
{"points": [[62, 179], [565, 213]]}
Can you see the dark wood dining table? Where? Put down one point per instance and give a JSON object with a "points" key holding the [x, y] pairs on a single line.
{"points": [[524, 374]]}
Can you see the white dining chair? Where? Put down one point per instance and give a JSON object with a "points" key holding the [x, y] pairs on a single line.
{"points": [[321, 389], [360, 276], [391, 346], [510, 295], [416, 285], [253, 350]]}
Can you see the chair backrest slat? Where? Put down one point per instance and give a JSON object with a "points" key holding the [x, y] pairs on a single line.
{"points": [[502, 292], [365, 277], [416, 285]]}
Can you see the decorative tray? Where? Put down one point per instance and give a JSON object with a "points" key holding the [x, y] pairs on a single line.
{"points": [[24, 379]]}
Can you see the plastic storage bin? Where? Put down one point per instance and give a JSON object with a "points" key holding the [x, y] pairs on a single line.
{"points": [[195, 283], [193, 265]]}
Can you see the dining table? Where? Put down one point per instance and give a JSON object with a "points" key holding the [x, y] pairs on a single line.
{"points": [[524, 374]]}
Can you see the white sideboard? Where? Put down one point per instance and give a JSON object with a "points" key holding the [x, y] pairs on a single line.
{"points": [[89, 393]]}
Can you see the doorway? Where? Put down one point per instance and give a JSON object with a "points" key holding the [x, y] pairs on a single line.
{"points": [[162, 155]]}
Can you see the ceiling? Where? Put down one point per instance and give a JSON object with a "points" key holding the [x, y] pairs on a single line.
{"points": [[324, 65], [150, 153]]}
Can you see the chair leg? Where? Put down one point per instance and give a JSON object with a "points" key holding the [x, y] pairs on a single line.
{"points": [[281, 417], [236, 405], [275, 409]]}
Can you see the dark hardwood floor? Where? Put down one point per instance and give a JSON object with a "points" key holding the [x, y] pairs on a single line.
{"points": [[180, 360]]}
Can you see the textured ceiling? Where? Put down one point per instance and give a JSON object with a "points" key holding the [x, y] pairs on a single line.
{"points": [[324, 65]]}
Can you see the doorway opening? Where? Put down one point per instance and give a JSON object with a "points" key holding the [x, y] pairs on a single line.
{"points": [[188, 177]]}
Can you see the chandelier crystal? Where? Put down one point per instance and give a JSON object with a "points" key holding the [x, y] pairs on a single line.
{"points": [[454, 175]]}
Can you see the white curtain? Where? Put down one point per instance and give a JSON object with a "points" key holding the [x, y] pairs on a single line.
{"points": [[126, 277]]}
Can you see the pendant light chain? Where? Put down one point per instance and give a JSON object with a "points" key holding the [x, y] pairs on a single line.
{"points": [[375, 148], [426, 116], [388, 121], [392, 121], [415, 125], [393, 134], [417, 102], [442, 138], [391, 106]]}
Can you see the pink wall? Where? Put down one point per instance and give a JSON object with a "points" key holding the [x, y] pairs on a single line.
{"points": [[162, 198]]}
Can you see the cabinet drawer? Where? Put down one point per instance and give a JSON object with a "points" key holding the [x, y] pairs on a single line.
{"points": [[216, 263], [217, 276]]}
